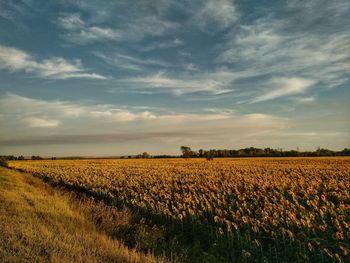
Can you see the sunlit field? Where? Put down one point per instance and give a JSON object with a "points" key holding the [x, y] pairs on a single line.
{"points": [[245, 210]]}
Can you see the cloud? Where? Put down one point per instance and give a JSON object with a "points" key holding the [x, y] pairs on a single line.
{"points": [[4, 10], [216, 82], [140, 27], [118, 115], [269, 47], [78, 122], [12, 9], [79, 32], [163, 45], [31, 110], [129, 62], [285, 86], [88, 138], [190, 67], [35, 122], [135, 28], [305, 99], [54, 68], [215, 15]]}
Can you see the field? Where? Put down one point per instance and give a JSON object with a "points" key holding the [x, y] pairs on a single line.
{"points": [[39, 223], [235, 210]]}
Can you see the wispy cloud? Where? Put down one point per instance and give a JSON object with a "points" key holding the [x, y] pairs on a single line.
{"points": [[216, 82], [72, 119], [54, 68], [35, 122], [30, 110], [305, 99], [77, 31], [283, 87], [11, 9], [81, 32], [163, 45], [269, 48], [129, 62], [190, 67], [4, 10], [215, 14]]}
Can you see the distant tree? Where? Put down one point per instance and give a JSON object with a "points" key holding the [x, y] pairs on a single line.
{"points": [[186, 151], [21, 157], [257, 152], [318, 151], [346, 152], [145, 155], [10, 157], [3, 161], [200, 152]]}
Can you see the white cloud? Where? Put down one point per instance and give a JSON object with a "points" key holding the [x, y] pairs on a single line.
{"points": [[35, 122], [76, 119], [148, 25], [270, 49], [285, 86], [216, 82], [19, 106], [80, 33], [190, 67], [129, 62], [32, 109], [55, 68], [215, 14], [163, 45], [119, 115], [305, 99]]}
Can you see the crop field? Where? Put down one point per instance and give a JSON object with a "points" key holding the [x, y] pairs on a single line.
{"points": [[241, 210]]}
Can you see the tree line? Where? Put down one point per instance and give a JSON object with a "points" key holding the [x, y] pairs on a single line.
{"points": [[187, 152]]}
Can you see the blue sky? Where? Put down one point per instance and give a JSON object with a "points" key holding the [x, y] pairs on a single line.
{"points": [[120, 77]]}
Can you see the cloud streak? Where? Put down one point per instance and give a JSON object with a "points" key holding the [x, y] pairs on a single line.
{"points": [[78, 32], [35, 122], [215, 15], [14, 59], [130, 62], [269, 48], [284, 87], [81, 32], [217, 82]]}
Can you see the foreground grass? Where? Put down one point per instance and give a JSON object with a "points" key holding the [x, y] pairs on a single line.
{"points": [[42, 224]]}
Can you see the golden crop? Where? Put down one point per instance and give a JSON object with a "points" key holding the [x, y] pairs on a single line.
{"points": [[305, 199]]}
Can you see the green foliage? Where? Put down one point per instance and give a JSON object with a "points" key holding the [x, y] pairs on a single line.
{"points": [[257, 152]]}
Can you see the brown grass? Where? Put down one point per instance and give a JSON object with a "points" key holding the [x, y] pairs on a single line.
{"points": [[42, 224]]}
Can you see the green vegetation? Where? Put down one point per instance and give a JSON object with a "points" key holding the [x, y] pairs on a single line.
{"points": [[187, 152]]}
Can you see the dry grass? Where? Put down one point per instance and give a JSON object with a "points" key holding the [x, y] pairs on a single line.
{"points": [[41, 224]]}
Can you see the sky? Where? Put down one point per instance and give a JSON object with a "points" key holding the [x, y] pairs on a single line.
{"points": [[98, 77]]}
